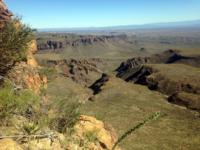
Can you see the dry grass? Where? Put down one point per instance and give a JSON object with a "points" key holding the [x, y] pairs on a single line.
{"points": [[123, 105]]}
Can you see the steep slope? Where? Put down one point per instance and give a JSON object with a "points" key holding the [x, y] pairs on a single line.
{"points": [[82, 71], [124, 105], [167, 57], [179, 81]]}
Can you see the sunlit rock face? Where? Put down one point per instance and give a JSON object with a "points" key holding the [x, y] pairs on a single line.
{"points": [[5, 14], [104, 134], [32, 48], [26, 76]]}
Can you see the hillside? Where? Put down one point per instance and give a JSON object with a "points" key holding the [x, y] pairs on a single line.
{"points": [[123, 88], [30, 117]]}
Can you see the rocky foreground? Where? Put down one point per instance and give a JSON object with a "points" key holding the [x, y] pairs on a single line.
{"points": [[24, 130]]}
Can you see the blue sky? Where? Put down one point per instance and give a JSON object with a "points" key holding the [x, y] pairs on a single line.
{"points": [[100, 13]]}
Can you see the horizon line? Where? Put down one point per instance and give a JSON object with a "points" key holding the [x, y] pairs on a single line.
{"points": [[125, 25]]}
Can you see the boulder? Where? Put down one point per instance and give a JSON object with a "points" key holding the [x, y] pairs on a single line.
{"points": [[105, 135], [9, 144]]}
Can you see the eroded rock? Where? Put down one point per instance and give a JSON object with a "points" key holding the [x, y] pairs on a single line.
{"points": [[172, 80], [188, 100], [82, 71], [167, 57], [96, 87], [105, 135], [5, 14], [26, 76], [32, 48]]}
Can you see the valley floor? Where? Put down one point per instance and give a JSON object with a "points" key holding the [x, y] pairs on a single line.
{"points": [[123, 105]]}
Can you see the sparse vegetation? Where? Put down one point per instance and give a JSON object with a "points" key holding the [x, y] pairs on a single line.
{"points": [[66, 116], [48, 72], [155, 116], [91, 136], [14, 39], [30, 128], [70, 61], [15, 102]]}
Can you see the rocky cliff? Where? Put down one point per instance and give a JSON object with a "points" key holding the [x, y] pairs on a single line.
{"points": [[76, 41], [82, 71], [178, 81], [24, 74], [167, 57], [5, 14]]}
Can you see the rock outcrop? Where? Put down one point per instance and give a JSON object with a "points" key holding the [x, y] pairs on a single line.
{"points": [[96, 87], [172, 80], [77, 40], [9, 144], [83, 71], [26, 74], [5, 14], [23, 74], [28, 77], [32, 49], [132, 63], [104, 136], [162, 79], [167, 57]]}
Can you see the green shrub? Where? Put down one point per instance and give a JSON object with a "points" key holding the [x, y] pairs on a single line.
{"points": [[15, 102], [14, 39], [67, 115], [50, 73], [91, 136], [30, 128]]}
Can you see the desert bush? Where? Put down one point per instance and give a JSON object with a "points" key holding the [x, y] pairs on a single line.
{"points": [[30, 128], [50, 73], [66, 116], [91, 136], [14, 39], [15, 102]]}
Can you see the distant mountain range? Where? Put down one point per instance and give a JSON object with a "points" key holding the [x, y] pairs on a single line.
{"points": [[182, 24]]}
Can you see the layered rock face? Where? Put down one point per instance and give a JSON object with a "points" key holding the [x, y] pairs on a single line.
{"points": [[82, 71], [26, 74], [167, 57], [68, 41], [167, 75], [5, 14], [23, 74]]}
